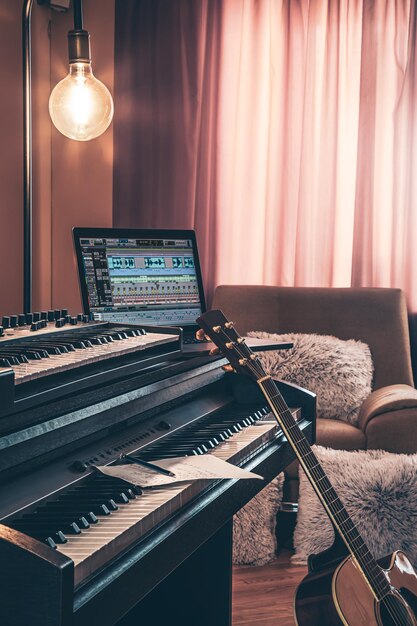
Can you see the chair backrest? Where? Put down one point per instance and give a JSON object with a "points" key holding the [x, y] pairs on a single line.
{"points": [[376, 316]]}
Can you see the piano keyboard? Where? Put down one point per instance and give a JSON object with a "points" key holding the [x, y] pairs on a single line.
{"points": [[101, 516], [133, 519], [55, 352]]}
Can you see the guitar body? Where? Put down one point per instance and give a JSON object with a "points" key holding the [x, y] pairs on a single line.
{"points": [[339, 596]]}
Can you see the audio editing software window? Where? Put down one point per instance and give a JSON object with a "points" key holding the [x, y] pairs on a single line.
{"points": [[141, 280]]}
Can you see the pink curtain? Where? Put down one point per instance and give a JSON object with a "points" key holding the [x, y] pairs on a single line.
{"points": [[284, 132]]}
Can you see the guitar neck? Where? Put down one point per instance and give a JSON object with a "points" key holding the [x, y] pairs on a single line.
{"points": [[222, 332], [323, 487]]}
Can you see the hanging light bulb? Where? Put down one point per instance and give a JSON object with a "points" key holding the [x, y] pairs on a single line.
{"points": [[80, 106]]}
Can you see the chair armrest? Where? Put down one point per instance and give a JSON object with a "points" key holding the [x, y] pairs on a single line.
{"points": [[388, 417]]}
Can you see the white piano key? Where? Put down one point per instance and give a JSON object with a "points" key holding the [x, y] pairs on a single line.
{"points": [[94, 546]]}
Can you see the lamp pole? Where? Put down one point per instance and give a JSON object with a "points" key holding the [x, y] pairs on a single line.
{"points": [[59, 5], [27, 155]]}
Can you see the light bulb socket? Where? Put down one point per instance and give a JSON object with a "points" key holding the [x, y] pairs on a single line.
{"points": [[79, 46]]}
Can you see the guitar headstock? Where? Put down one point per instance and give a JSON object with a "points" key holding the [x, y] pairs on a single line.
{"points": [[231, 344]]}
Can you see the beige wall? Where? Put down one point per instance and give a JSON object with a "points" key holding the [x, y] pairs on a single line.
{"points": [[72, 181]]}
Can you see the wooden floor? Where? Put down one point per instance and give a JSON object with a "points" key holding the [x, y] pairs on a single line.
{"points": [[264, 595]]}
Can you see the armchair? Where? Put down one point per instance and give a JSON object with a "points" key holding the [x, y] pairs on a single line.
{"points": [[378, 317]]}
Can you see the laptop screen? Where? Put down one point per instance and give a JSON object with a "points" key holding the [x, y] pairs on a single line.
{"points": [[140, 276]]}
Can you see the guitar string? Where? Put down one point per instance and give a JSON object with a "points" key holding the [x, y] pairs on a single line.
{"points": [[302, 444], [250, 363], [383, 594]]}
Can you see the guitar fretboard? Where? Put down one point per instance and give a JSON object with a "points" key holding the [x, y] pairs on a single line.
{"points": [[325, 490]]}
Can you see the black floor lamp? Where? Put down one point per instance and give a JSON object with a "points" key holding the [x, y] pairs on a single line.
{"points": [[80, 106]]}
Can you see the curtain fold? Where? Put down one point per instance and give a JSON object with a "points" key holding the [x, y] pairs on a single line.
{"points": [[283, 132]]}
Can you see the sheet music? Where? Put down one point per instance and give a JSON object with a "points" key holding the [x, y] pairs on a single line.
{"points": [[185, 468]]}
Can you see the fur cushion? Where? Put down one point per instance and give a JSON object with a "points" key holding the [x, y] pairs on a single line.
{"points": [[379, 491], [254, 541], [338, 372]]}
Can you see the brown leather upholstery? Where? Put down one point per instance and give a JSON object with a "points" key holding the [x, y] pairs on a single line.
{"points": [[388, 418], [376, 316]]}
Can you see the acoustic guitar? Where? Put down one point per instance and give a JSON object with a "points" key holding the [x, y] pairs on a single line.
{"points": [[345, 584]]}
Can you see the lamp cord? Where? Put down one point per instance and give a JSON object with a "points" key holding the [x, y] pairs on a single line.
{"points": [[78, 14]]}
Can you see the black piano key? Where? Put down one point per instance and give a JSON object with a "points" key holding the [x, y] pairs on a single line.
{"points": [[29, 353], [51, 543], [10, 359], [83, 522], [75, 528], [14, 358], [49, 348]]}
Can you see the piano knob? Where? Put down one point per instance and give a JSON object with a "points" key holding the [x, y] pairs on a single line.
{"points": [[44, 315], [79, 466], [5, 321], [13, 321], [51, 316], [64, 312], [36, 317], [57, 314], [43, 323], [21, 319], [29, 318], [1, 331], [86, 319], [80, 317], [60, 322], [67, 319], [73, 321], [35, 326]]}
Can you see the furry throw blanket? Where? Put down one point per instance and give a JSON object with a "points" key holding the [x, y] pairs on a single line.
{"points": [[379, 491], [338, 372]]}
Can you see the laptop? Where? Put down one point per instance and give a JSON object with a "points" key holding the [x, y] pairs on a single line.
{"points": [[150, 277]]}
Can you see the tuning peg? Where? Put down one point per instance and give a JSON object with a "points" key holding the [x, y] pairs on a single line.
{"points": [[217, 329], [243, 361], [241, 340], [229, 324], [230, 345]]}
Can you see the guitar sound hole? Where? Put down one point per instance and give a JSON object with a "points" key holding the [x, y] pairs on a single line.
{"points": [[393, 611]]}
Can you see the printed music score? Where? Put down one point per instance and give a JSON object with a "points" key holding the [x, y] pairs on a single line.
{"points": [[185, 469]]}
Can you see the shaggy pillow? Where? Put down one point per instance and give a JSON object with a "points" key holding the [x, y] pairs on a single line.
{"points": [[338, 372], [254, 541], [379, 491]]}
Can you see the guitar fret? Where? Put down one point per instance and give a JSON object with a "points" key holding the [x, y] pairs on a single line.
{"points": [[223, 334]]}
